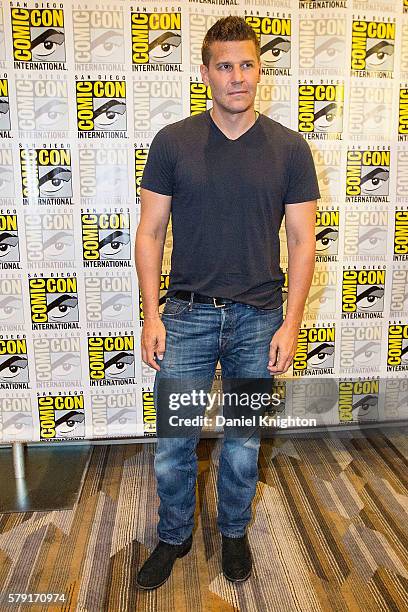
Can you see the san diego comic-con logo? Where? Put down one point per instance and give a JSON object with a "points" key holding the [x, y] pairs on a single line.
{"points": [[111, 359], [372, 48], [400, 235], [403, 114], [109, 300], [49, 238], [274, 36], [321, 301], [320, 113], [101, 108], [149, 414], [103, 175], [358, 400], [61, 416], [106, 239], [399, 291], [322, 45], [11, 302], [54, 302], [365, 235], [46, 175], [401, 188], [164, 285], [57, 361], [319, 4], [156, 41], [397, 355], [42, 105], [360, 348], [114, 412], [327, 235], [367, 175], [315, 351], [16, 420], [370, 109], [156, 104], [14, 371], [200, 98], [9, 241], [395, 398], [140, 163], [98, 38], [6, 177], [38, 38], [5, 124], [273, 100], [327, 159], [363, 293]]}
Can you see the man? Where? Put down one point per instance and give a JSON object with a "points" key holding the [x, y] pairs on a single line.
{"points": [[228, 176]]}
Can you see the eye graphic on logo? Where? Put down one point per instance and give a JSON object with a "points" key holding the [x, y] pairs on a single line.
{"points": [[66, 424], [369, 298], [329, 51], [6, 181], [7, 242], [122, 418], [375, 118], [61, 306], [373, 240], [278, 112], [54, 181], [117, 307], [322, 300], [11, 367], [57, 245], [118, 364], [320, 354], [326, 117], [4, 107], [65, 365], [374, 180], [107, 114], [327, 178], [113, 244], [274, 50], [17, 424], [112, 180], [365, 403], [367, 354], [46, 43], [325, 238], [50, 113], [166, 112], [379, 53], [106, 44], [164, 45], [9, 306]]}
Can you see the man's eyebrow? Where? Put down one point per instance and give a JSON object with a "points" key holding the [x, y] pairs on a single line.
{"points": [[245, 61]]}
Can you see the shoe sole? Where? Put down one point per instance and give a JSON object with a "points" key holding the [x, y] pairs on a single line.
{"points": [[156, 586], [238, 579]]}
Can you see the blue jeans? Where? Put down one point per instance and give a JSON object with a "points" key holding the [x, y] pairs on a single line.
{"points": [[197, 337]]}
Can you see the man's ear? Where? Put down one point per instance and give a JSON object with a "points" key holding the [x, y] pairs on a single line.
{"points": [[259, 73], [204, 74]]}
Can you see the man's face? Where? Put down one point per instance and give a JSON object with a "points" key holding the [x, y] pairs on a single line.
{"points": [[233, 74]]}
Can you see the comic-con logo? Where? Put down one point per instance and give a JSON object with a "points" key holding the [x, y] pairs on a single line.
{"points": [[57, 360], [11, 303], [61, 416], [397, 356], [98, 36], [108, 299], [400, 235], [113, 412], [5, 124], [321, 301], [13, 363], [358, 400], [363, 293], [327, 162], [164, 285], [54, 301], [273, 100], [321, 43], [38, 37], [9, 245], [274, 36], [42, 105], [403, 114], [105, 237], [156, 41], [101, 108], [327, 235], [369, 110], [46, 175], [399, 292], [321, 110], [6, 176], [16, 420], [103, 175], [156, 104], [200, 98], [367, 175], [140, 163], [111, 360], [365, 235], [149, 414], [49, 238], [315, 351], [372, 48], [360, 348]]}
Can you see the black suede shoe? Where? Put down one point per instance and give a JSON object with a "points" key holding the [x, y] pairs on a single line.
{"points": [[236, 558], [157, 568]]}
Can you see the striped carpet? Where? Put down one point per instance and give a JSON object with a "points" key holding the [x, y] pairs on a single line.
{"points": [[329, 533]]}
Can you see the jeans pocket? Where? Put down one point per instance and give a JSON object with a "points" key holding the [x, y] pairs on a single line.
{"points": [[174, 307], [267, 311]]}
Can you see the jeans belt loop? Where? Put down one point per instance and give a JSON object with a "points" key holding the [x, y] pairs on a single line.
{"points": [[190, 304], [217, 305]]}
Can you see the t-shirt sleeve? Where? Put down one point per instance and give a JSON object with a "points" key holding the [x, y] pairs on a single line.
{"points": [[302, 183], [159, 169]]}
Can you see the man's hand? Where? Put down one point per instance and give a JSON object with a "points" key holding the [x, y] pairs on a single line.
{"points": [[282, 348], [153, 341]]}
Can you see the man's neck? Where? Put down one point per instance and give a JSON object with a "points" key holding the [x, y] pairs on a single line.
{"points": [[233, 125]]}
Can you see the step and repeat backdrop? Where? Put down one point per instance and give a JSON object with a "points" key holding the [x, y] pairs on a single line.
{"points": [[84, 87]]}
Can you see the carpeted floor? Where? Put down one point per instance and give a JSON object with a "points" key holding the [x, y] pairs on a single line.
{"points": [[329, 533]]}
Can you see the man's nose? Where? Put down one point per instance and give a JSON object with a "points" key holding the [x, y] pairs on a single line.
{"points": [[237, 74]]}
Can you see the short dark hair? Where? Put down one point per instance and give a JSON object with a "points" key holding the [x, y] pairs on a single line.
{"points": [[228, 29]]}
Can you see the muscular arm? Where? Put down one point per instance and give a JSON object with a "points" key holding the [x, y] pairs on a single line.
{"points": [[150, 238]]}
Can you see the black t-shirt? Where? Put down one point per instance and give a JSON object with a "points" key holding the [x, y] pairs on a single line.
{"points": [[228, 201]]}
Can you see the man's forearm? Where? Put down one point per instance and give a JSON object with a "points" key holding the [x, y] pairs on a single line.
{"points": [[148, 257], [301, 262]]}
